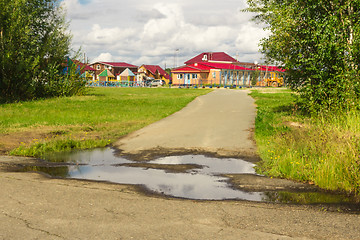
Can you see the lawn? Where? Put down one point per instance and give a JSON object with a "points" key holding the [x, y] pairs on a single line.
{"points": [[97, 119]]}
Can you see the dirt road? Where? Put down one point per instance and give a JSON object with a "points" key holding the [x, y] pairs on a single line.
{"points": [[33, 206]]}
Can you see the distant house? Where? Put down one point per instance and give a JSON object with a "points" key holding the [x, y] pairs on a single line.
{"points": [[153, 71], [218, 68], [106, 75], [86, 71], [126, 75], [115, 68], [80, 68], [211, 73]]}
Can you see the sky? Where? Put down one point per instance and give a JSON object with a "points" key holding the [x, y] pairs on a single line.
{"points": [[162, 32]]}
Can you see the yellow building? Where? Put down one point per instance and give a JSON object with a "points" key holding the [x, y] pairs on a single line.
{"points": [[153, 71]]}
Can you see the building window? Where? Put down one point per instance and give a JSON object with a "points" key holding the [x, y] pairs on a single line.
{"points": [[214, 74], [180, 76], [98, 67], [194, 76]]}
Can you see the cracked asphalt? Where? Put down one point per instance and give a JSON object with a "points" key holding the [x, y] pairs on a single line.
{"points": [[36, 207], [33, 206]]}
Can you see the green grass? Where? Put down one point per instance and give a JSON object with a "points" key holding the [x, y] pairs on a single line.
{"points": [[320, 150], [96, 119]]}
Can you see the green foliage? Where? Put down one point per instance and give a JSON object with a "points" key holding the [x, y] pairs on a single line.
{"points": [[254, 77], [318, 42], [323, 150], [38, 149], [33, 47]]}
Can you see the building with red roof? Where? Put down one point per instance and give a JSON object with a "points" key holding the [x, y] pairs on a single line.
{"points": [[84, 67], [210, 73], [81, 68], [153, 71], [116, 68], [218, 68]]}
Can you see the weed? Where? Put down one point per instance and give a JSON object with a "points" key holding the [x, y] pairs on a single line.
{"points": [[324, 150]]}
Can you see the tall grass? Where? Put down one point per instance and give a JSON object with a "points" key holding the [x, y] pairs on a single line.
{"points": [[96, 119], [323, 150]]}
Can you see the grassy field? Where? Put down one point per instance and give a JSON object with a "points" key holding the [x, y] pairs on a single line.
{"points": [[94, 120], [324, 150]]}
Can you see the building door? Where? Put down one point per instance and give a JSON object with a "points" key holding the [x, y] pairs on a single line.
{"points": [[187, 79]]}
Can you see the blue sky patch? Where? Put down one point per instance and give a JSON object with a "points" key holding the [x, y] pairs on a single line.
{"points": [[84, 2]]}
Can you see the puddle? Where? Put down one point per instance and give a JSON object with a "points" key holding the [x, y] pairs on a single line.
{"points": [[189, 176]]}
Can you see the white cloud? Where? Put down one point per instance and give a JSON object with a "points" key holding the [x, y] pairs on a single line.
{"points": [[248, 38], [108, 36], [148, 32], [103, 57]]}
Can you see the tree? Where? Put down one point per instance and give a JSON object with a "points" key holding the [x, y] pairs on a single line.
{"points": [[318, 43], [254, 77], [34, 44]]}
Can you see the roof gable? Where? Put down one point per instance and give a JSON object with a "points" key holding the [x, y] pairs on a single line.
{"points": [[211, 57], [127, 72], [156, 68], [106, 73]]}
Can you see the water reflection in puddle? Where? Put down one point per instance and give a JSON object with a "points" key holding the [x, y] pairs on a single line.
{"points": [[197, 183], [200, 181]]}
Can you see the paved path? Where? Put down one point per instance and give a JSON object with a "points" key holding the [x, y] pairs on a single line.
{"points": [[219, 122]]}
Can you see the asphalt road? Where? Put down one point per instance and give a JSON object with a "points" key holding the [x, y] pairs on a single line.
{"points": [[219, 122], [33, 206]]}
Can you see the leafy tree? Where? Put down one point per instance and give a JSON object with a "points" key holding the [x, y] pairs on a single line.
{"points": [[254, 77], [318, 42], [34, 43]]}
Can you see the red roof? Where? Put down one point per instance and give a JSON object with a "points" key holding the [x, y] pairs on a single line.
{"points": [[196, 67], [211, 56], [119, 64], [88, 68], [83, 67], [156, 68], [271, 68], [225, 66], [206, 66]]}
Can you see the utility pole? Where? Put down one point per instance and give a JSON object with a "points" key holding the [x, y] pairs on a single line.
{"points": [[175, 57]]}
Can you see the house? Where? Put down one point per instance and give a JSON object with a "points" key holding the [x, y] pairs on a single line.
{"points": [[86, 71], [106, 76], [153, 71], [115, 68], [126, 75], [218, 68], [211, 74], [211, 68], [75, 66]]}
